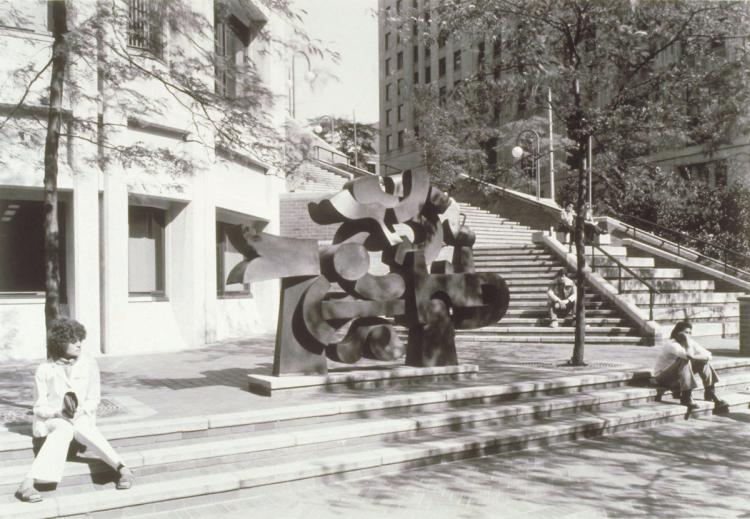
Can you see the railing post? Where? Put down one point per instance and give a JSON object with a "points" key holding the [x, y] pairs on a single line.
{"points": [[619, 278], [650, 304]]}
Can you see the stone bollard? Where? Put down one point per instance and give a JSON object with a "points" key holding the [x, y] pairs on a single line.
{"points": [[744, 324]]}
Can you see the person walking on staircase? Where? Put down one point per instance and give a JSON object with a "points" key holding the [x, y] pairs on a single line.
{"points": [[67, 393], [561, 297], [680, 363], [566, 223]]}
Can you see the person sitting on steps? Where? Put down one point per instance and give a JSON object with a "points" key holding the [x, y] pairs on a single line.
{"points": [[67, 394], [561, 297], [679, 364]]}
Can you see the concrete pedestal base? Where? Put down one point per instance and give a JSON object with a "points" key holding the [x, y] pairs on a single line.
{"points": [[380, 376]]}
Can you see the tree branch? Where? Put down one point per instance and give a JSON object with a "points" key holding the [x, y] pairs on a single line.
{"points": [[25, 93]]}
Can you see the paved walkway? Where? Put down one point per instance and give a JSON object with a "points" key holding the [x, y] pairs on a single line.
{"points": [[699, 468], [695, 469], [213, 379]]}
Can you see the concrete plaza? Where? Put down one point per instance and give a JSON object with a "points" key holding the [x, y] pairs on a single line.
{"points": [[697, 468]]}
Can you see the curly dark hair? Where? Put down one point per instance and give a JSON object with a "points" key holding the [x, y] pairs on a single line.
{"points": [[679, 328], [60, 333]]}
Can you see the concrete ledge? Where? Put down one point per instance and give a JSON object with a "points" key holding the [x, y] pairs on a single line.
{"points": [[267, 385], [650, 330]]}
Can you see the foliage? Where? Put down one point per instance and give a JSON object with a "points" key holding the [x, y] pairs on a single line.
{"points": [[343, 137], [651, 75]]}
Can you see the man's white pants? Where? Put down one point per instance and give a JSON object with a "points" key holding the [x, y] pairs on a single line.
{"points": [[49, 463]]}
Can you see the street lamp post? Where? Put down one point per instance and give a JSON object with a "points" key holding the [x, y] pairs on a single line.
{"points": [[519, 152]]}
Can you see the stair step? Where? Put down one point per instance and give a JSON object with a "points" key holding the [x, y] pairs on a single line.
{"points": [[503, 329], [686, 298], [628, 262], [667, 285], [545, 338], [648, 273], [693, 312], [442, 435]]}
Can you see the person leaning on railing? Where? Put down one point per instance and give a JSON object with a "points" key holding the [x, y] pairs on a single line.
{"points": [[566, 223], [680, 363], [590, 227], [67, 393]]}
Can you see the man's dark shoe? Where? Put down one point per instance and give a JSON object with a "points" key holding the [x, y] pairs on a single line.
{"points": [[709, 394], [721, 407], [686, 399]]}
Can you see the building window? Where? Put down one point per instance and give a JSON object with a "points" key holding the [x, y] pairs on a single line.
{"points": [[442, 38], [145, 26], [414, 28], [388, 143], [457, 61], [388, 117], [387, 41], [441, 94], [427, 51], [227, 257], [22, 246], [146, 250], [400, 60], [231, 41], [415, 79], [388, 92], [398, 36], [441, 67], [400, 139], [400, 87], [415, 54], [400, 113], [416, 130], [497, 46], [388, 67], [427, 75], [480, 55], [398, 6]]}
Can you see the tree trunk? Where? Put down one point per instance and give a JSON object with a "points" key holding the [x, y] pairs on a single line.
{"points": [[52, 143], [580, 336]]}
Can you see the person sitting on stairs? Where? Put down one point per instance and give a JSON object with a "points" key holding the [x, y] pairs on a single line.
{"points": [[561, 297], [680, 363], [67, 393]]}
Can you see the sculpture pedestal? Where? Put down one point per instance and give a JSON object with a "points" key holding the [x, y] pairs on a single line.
{"points": [[341, 380]]}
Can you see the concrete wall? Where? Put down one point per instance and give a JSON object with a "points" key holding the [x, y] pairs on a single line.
{"points": [[97, 195]]}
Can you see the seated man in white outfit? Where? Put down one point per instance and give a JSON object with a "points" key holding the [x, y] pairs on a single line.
{"points": [[680, 363], [67, 394]]}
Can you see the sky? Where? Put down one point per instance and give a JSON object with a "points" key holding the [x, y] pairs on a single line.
{"points": [[349, 27]]}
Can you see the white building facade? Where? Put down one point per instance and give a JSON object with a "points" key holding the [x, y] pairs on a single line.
{"points": [[144, 253]]}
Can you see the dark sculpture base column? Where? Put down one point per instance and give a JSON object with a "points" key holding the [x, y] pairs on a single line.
{"points": [[433, 344]]}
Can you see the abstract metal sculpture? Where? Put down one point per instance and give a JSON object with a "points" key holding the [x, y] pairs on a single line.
{"points": [[407, 222]]}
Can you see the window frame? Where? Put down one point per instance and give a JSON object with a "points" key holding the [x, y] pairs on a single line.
{"points": [[160, 293]]}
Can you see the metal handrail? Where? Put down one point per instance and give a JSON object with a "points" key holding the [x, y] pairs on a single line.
{"points": [[678, 245], [332, 154], [620, 266]]}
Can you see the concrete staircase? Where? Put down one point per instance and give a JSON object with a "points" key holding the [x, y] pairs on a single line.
{"points": [[505, 247], [197, 460], [711, 305]]}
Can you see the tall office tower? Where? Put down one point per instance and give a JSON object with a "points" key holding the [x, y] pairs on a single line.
{"points": [[410, 55]]}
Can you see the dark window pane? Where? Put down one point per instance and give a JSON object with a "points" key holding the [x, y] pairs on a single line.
{"points": [[22, 246]]}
